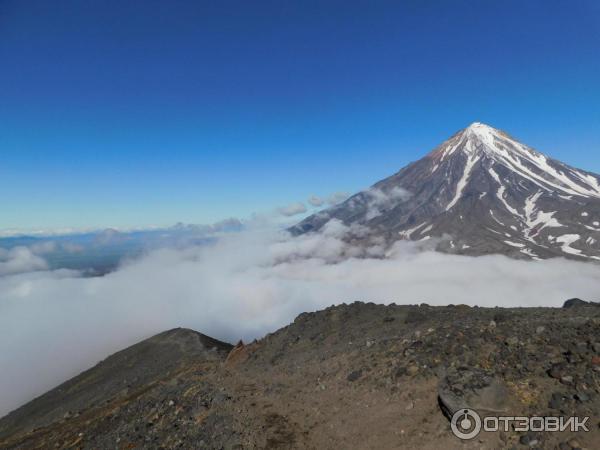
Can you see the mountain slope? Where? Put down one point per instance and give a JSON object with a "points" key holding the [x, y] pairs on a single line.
{"points": [[361, 376], [117, 379], [481, 192]]}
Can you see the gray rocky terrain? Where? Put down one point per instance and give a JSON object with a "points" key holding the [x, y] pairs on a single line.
{"points": [[480, 192], [361, 376]]}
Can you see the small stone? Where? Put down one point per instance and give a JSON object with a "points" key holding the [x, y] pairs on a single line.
{"points": [[582, 345], [369, 343], [540, 330], [528, 439], [171, 402], [412, 370], [574, 443], [354, 375], [567, 379], [512, 341], [564, 446], [557, 401], [582, 397], [556, 371], [596, 347], [492, 325]]}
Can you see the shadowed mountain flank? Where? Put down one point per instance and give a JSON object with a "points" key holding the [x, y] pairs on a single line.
{"points": [[118, 377]]}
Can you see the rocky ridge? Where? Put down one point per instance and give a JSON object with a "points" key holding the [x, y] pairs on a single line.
{"points": [[350, 376]]}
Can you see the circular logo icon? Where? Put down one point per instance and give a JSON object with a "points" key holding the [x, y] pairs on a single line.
{"points": [[465, 424]]}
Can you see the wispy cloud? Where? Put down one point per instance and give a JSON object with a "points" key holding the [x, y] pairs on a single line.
{"points": [[379, 200], [337, 197], [315, 201], [292, 209]]}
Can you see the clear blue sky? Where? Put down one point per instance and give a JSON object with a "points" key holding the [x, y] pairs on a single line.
{"points": [[123, 113]]}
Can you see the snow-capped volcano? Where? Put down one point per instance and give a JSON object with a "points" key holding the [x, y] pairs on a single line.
{"points": [[481, 192]]}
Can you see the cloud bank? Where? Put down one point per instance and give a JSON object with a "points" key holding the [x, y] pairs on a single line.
{"points": [[54, 324]]}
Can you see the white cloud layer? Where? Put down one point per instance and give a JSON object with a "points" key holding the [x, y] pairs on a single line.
{"points": [[54, 324]]}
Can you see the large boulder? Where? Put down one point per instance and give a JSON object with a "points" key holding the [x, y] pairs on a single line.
{"points": [[472, 388], [576, 302]]}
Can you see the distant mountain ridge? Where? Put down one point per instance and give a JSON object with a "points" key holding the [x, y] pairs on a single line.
{"points": [[481, 192]]}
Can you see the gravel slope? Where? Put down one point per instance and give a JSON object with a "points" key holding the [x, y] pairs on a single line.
{"points": [[351, 376]]}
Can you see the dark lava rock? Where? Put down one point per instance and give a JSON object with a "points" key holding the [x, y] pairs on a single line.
{"points": [[559, 401], [576, 302], [415, 317], [354, 375], [557, 371], [500, 317], [529, 439], [472, 388]]}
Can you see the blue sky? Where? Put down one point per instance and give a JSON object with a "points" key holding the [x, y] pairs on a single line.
{"points": [[147, 112]]}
